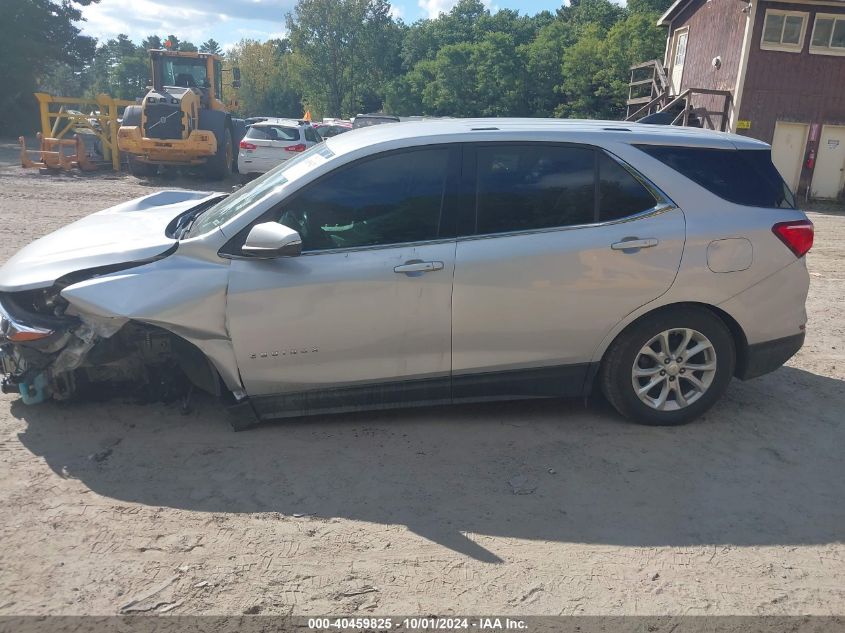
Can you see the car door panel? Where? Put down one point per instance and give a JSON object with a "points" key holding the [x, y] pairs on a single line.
{"points": [[337, 319], [548, 298], [531, 306], [357, 316]]}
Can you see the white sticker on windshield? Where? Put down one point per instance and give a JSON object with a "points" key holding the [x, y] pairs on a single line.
{"points": [[303, 167]]}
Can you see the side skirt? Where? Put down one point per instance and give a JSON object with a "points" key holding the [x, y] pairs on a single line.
{"points": [[544, 382]]}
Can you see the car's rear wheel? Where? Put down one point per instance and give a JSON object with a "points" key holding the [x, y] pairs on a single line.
{"points": [[670, 367]]}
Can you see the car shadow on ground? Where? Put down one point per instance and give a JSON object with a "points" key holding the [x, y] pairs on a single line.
{"points": [[764, 467]]}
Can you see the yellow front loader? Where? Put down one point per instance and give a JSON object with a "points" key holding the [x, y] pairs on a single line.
{"points": [[182, 119]]}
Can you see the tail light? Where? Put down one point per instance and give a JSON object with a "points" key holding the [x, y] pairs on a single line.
{"points": [[299, 147], [797, 235], [246, 145]]}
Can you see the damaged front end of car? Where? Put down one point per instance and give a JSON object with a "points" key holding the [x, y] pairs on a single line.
{"points": [[97, 304], [48, 350]]}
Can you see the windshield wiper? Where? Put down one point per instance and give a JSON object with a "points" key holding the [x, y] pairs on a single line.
{"points": [[186, 220]]}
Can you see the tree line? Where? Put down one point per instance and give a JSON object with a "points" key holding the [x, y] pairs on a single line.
{"points": [[342, 57]]}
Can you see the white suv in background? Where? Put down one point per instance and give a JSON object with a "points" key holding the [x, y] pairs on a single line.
{"points": [[273, 141]]}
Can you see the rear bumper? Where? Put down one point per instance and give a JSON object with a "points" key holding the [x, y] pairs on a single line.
{"points": [[195, 149], [762, 358], [249, 163]]}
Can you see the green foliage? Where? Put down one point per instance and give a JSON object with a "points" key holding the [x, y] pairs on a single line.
{"points": [[345, 52], [38, 40], [649, 6], [152, 42], [596, 66], [266, 85], [544, 57], [211, 46], [121, 69], [342, 57]]}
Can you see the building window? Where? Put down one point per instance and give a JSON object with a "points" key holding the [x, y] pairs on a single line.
{"points": [[784, 31], [828, 35]]}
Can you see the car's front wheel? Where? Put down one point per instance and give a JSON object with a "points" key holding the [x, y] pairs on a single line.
{"points": [[670, 367]]}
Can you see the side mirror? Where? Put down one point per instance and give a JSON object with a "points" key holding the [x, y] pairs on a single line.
{"points": [[271, 240]]}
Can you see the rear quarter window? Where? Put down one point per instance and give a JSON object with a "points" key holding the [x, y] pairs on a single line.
{"points": [[746, 177]]}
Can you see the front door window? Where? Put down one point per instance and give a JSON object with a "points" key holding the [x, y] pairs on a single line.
{"points": [[393, 199]]}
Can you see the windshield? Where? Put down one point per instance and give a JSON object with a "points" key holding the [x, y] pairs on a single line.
{"points": [[244, 197], [184, 72]]}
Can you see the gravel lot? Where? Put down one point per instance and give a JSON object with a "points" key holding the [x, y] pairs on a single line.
{"points": [[521, 508]]}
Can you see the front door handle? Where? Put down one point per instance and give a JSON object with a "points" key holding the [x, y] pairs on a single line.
{"points": [[634, 244], [417, 266]]}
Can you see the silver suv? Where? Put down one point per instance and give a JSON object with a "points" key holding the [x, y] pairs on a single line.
{"points": [[440, 261]]}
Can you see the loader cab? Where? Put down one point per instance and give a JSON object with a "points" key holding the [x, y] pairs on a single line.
{"points": [[200, 71]]}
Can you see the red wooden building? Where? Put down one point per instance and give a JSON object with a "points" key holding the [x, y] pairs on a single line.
{"points": [[771, 70]]}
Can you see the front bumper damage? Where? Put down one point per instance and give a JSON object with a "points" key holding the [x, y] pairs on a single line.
{"points": [[59, 356], [29, 342], [117, 300]]}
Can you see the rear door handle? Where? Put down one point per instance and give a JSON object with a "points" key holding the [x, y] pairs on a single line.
{"points": [[418, 266], [634, 243]]}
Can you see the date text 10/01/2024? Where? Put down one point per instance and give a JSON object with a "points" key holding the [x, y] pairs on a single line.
{"points": [[419, 624]]}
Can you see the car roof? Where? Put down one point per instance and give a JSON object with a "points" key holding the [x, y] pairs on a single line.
{"points": [[432, 131], [275, 121]]}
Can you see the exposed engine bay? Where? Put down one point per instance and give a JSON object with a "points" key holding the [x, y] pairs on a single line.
{"points": [[46, 352]]}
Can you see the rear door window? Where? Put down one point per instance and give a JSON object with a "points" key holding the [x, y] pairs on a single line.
{"points": [[538, 186], [746, 177], [524, 187]]}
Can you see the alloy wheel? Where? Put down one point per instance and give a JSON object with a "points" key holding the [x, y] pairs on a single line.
{"points": [[674, 369]]}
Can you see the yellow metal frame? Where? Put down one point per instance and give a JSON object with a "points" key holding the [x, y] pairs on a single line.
{"points": [[55, 124], [52, 154]]}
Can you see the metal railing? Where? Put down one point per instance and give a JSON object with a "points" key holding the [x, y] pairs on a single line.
{"points": [[654, 78], [658, 98]]}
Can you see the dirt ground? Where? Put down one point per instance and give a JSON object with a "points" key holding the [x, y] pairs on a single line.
{"points": [[522, 508]]}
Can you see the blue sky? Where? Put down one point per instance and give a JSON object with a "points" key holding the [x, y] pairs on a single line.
{"points": [[229, 21]]}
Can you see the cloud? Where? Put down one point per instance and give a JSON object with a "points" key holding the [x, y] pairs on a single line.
{"points": [[189, 19], [433, 8]]}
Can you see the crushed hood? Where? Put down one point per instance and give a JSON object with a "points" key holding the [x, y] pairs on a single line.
{"points": [[129, 232]]}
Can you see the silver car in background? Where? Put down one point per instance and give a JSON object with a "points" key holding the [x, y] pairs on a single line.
{"points": [[432, 262]]}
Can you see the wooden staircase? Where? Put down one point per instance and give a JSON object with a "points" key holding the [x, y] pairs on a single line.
{"points": [[649, 93]]}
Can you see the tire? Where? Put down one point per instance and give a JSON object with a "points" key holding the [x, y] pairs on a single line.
{"points": [[140, 169], [131, 115], [219, 166], [679, 393]]}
